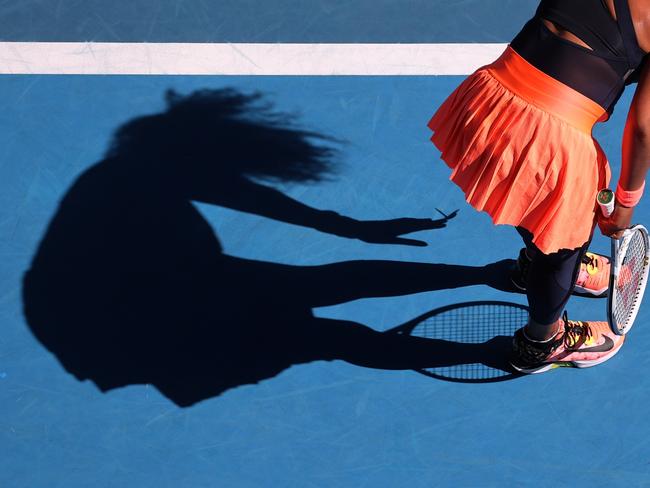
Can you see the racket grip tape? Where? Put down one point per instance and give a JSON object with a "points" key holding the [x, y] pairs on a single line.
{"points": [[605, 201]]}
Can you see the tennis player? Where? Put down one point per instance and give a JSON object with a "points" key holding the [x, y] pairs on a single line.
{"points": [[517, 136]]}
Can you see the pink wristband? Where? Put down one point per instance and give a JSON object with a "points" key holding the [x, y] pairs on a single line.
{"points": [[629, 198]]}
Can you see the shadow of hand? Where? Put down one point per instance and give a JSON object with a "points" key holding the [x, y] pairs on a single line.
{"points": [[386, 231]]}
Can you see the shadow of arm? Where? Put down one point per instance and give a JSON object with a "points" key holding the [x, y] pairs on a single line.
{"points": [[248, 196]]}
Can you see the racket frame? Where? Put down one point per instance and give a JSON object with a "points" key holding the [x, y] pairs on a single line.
{"points": [[408, 327], [619, 248]]}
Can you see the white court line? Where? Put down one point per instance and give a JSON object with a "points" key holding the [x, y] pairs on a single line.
{"points": [[100, 58]]}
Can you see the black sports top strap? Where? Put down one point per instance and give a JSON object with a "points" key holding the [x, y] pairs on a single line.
{"points": [[624, 17], [599, 72], [589, 20]]}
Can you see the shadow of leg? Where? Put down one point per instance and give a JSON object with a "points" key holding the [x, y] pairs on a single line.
{"points": [[363, 346]]}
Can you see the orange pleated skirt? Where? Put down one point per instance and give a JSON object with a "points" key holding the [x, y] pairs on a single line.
{"points": [[520, 147]]}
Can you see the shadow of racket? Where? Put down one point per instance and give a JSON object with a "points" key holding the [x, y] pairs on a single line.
{"points": [[485, 327]]}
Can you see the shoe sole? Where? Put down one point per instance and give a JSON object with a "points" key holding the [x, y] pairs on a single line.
{"points": [[517, 285], [577, 290], [567, 364], [587, 292]]}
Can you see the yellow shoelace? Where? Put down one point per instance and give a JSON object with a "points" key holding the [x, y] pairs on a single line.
{"points": [[591, 260], [576, 333]]}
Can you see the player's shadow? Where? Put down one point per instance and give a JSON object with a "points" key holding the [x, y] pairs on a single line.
{"points": [[130, 284]]}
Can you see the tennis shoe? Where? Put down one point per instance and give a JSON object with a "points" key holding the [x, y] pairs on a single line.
{"points": [[577, 344], [592, 281], [593, 278]]}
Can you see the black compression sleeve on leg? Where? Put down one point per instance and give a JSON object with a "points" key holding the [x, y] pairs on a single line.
{"points": [[551, 278]]}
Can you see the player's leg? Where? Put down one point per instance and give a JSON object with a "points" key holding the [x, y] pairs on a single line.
{"points": [[550, 282], [550, 339], [592, 280]]}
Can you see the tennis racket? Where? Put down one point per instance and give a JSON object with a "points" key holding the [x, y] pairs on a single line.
{"points": [[628, 271], [486, 327]]}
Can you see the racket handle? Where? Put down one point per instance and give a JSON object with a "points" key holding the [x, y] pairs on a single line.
{"points": [[605, 200]]}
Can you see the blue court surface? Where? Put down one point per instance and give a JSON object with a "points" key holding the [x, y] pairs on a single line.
{"points": [[189, 321]]}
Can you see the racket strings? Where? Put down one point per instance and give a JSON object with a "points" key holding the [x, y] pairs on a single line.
{"points": [[471, 324], [629, 283]]}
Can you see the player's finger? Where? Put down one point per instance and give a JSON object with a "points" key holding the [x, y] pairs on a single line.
{"points": [[605, 229]]}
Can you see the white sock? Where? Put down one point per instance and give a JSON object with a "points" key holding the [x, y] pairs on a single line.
{"points": [[545, 341]]}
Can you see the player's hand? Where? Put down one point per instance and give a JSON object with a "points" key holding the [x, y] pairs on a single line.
{"points": [[614, 225]]}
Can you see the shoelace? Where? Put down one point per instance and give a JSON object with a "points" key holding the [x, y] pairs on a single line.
{"points": [[575, 332], [591, 260]]}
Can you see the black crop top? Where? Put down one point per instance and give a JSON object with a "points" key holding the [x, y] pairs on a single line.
{"points": [[600, 73]]}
